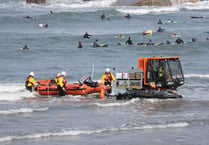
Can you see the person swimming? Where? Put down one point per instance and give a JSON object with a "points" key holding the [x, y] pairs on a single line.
{"points": [[179, 40], [25, 47], [103, 16], [80, 44], [127, 16], [86, 35], [129, 41]]}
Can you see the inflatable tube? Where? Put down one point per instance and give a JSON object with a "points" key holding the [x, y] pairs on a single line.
{"points": [[49, 87]]}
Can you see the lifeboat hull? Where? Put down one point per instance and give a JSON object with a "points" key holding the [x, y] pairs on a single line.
{"points": [[47, 88]]}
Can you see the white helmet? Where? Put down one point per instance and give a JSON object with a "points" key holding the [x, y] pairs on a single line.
{"points": [[63, 73], [107, 70], [58, 74], [32, 74]]}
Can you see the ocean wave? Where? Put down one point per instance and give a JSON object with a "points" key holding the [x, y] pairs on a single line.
{"points": [[163, 9], [116, 104], [14, 92], [11, 88], [195, 6], [81, 6], [65, 132], [22, 111], [196, 75], [148, 9], [59, 4], [81, 3]]}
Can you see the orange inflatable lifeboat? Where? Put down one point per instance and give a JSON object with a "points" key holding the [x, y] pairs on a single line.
{"points": [[49, 87]]}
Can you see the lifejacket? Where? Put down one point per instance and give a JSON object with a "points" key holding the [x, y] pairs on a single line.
{"points": [[30, 81], [61, 81], [107, 77]]}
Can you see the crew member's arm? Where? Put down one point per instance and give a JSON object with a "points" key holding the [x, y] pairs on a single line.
{"points": [[33, 81]]}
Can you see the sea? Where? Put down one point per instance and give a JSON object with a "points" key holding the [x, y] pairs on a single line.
{"points": [[29, 119]]}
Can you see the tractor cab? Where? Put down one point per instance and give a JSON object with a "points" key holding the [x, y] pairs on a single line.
{"points": [[162, 72], [159, 78]]}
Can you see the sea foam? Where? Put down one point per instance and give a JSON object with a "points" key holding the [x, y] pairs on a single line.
{"points": [[89, 132]]}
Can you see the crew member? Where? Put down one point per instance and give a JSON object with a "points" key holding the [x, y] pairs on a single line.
{"points": [[179, 40], [56, 79], [129, 41], [61, 82], [30, 82], [107, 79], [161, 74]]}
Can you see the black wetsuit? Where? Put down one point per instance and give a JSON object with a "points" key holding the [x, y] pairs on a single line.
{"points": [[103, 17], [129, 42], [179, 41]]}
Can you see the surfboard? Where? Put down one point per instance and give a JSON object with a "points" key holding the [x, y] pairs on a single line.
{"points": [[119, 36], [169, 22], [100, 45], [148, 32], [157, 44], [42, 25], [103, 45], [121, 43], [144, 44], [175, 35]]}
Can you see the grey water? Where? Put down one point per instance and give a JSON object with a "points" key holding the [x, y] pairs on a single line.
{"points": [[28, 119]]}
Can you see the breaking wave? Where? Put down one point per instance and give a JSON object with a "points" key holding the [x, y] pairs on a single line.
{"points": [[22, 111], [14, 92], [80, 5], [116, 104], [89, 132], [196, 75]]}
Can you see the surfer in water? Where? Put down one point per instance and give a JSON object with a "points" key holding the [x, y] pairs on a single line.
{"points": [[179, 40], [86, 35], [127, 16], [149, 42], [80, 44], [168, 42], [197, 17], [129, 41], [160, 30], [28, 17], [95, 43], [103, 16], [194, 39], [25, 47], [46, 26], [159, 22]]}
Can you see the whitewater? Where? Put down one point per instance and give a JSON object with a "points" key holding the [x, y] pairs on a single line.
{"points": [[27, 118]]}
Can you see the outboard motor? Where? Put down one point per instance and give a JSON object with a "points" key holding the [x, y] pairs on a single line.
{"points": [[87, 80]]}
